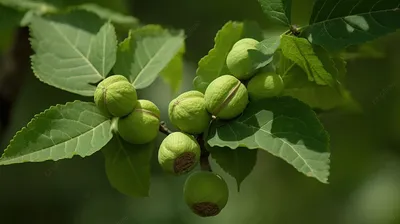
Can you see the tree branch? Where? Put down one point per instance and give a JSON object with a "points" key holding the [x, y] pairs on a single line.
{"points": [[204, 162], [164, 129]]}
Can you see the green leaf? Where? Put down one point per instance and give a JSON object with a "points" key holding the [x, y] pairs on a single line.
{"points": [[30, 9], [238, 163], [251, 29], [73, 51], [265, 51], [146, 52], [41, 8], [27, 18], [128, 166], [301, 52], [278, 10], [172, 74], [284, 127], [26, 5], [372, 49], [108, 14], [60, 132], [213, 64], [337, 24], [316, 96]]}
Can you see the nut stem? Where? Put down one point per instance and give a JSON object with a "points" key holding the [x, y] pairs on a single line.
{"points": [[164, 129], [204, 162]]}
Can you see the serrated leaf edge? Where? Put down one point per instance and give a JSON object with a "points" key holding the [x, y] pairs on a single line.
{"points": [[328, 161], [238, 183], [77, 91], [211, 51], [134, 21], [135, 35], [34, 119]]}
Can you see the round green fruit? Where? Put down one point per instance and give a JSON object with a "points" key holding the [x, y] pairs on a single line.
{"points": [[265, 85], [226, 97], [115, 96], [238, 60], [141, 126], [179, 153], [206, 193], [188, 112]]}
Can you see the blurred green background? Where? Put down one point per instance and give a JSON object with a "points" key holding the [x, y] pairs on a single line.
{"points": [[365, 164]]}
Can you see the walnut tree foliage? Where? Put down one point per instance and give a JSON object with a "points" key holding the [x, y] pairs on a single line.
{"points": [[77, 47]]}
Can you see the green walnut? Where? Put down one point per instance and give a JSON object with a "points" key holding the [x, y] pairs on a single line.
{"points": [[115, 96], [226, 97], [179, 153], [141, 126], [265, 85], [238, 60], [188, 112], [206, 193]]}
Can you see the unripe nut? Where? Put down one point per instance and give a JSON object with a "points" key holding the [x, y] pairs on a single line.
{"points": [[238, 60], [142, 125], [115, 96], [265, 85], [226, 97], [188, 112], [206, 193], [179, 153]]}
